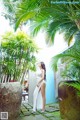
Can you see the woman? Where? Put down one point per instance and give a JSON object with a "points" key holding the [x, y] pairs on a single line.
{"points": [[39, 92]]}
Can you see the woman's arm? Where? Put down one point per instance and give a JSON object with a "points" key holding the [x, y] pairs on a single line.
{"points": [[42, 78]]}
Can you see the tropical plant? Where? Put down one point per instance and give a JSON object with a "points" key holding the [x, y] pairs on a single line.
{"points": [[17, 56], [70, 55], [75, 85], [71, 71], [9, 13], [52, 17], [49, 15]]}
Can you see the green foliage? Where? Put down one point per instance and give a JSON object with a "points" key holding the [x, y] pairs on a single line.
{"points": [[75, 85], [71, 59], [51, 17], [9, 12], [17, 55], [72, 71], [47, 15], [69, 56]]}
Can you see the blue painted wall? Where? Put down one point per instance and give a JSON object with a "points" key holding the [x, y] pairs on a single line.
{"points": [[50, 88]]}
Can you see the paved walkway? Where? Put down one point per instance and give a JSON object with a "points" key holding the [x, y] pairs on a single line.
{"points": [[51, 112]]}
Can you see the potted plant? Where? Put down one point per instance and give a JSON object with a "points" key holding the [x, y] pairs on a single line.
{"points": [[69, 100], [69, 86], [69, 91], [17, 57]]}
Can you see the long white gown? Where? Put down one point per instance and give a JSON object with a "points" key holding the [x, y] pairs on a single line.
{"points": [[37, 97]]}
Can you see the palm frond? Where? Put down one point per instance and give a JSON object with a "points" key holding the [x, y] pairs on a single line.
{"points": [[24, 17], [75, 85], [51, 17], [72, 53]]}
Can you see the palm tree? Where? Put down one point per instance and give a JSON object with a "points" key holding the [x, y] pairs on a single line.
{"points": [[49, 16], [9, 12], [71, 59]]}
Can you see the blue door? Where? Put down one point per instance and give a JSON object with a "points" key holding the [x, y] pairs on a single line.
{"points": [[50, 88]]}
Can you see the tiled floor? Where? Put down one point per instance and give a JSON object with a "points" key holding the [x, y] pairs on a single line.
{"points": [[51, 112]]}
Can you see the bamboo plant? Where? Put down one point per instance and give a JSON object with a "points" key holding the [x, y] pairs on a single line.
{"points": [[17, 56]]}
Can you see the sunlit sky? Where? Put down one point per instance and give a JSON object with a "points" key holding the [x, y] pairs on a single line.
{"points": [[4, 24], [46, 52]]}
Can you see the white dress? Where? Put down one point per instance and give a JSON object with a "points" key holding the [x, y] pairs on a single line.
{"points": [[37, 97]]}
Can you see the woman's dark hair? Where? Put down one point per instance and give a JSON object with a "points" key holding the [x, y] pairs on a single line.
{"points": [[43, 67]]}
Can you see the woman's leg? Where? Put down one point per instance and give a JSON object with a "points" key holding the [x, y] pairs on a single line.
{"points": [[43, 96]]}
